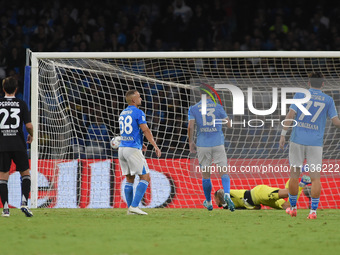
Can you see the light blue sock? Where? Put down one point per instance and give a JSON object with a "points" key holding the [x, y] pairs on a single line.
{"points": [[206, 183], [292, 200], [315, 203], [128, 191], [140, 190], [226, 183]]}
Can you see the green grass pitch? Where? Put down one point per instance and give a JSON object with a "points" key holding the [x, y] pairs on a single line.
{"points": [[169, 231]]}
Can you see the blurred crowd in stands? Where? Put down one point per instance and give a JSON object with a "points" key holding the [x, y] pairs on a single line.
{"points": [[171, 25]]}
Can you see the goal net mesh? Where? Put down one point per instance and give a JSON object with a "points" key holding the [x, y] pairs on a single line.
{"points": [[80, 100]]}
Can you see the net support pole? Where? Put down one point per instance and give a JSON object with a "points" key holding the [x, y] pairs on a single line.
{"points": [[34, 145], [27, 90]]}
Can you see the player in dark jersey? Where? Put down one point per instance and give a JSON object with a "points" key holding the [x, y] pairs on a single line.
{"points": [[13, 113]]}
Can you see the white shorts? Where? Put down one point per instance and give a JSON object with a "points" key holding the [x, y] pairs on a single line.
{"points": [[132, 161], [209, 155], [313, 155]]}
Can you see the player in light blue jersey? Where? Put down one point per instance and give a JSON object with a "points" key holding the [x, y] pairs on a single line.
{"points": [[210, 146], [306, 141], [132, 125]]}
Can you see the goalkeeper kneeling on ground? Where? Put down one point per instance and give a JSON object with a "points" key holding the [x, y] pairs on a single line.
{"points": [[259, 195]]}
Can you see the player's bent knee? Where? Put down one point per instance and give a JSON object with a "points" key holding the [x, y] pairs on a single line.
{"points": [[206, 175], [4, 175], [26, 172], [315, 180], [145, 177], [314, 176], [283, 193], [295, 172], [130, 178]]}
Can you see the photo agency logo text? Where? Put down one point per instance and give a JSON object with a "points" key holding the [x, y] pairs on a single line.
{"points": [[238, 106]]}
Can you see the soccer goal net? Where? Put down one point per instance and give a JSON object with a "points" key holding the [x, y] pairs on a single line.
{"points": [[77, 99]]}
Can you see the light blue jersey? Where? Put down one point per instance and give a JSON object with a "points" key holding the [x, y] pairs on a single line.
{"points": [[208, 134], [310, 129], [129, 121]]}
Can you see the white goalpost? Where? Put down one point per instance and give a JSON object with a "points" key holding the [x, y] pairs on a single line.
{"points": [[76, 99]]}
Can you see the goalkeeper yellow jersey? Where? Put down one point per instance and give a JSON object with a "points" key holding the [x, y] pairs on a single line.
{"points": [[268, 196], [261, 195], [237, 195]]}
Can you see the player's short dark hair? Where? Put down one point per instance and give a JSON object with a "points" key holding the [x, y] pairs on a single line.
{"points": [[9, 84], [130, 93], [316, 79]]}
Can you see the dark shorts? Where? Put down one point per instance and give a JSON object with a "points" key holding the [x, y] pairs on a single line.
{"points": [[19, 158]]}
